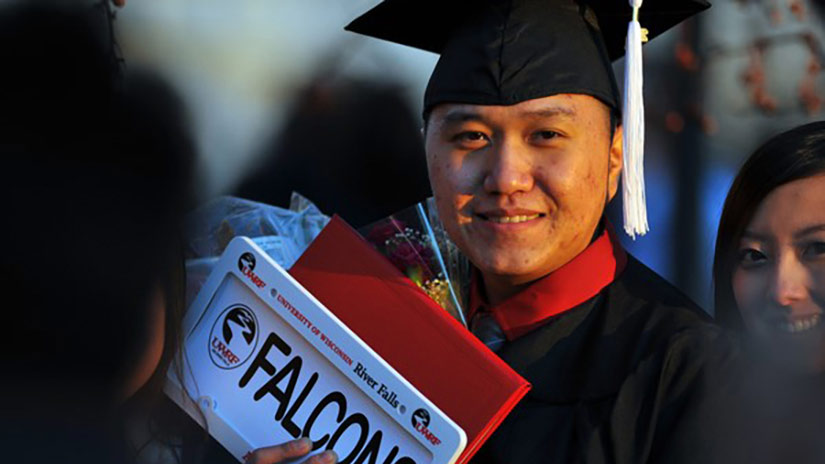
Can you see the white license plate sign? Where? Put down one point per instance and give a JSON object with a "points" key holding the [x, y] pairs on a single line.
{"points": [[267, 363]]}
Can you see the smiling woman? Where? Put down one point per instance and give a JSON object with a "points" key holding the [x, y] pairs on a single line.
{"points": [[769, 274], [769, 268]]}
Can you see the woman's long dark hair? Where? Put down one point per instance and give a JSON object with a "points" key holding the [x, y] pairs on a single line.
{"points": [[157, 124], [793, 155]]}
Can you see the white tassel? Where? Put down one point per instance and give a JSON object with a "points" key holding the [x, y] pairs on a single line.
{"points": [[633, 123]]}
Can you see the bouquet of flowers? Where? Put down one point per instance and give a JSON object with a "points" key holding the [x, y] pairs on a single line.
{"points": [[415, 241]]}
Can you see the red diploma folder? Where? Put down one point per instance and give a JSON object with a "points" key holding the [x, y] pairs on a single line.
{"points": [[433, 351]]}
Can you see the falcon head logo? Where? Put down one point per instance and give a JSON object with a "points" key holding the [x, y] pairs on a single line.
{"points": [[420, 416], [246, 261], [239, 319], [234, 337]]}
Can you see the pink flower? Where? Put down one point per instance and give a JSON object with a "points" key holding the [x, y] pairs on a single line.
{"points": [[405, 255], [426, 255], [412, 256]]}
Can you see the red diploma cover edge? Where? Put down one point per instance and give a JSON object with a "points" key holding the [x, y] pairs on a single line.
{"points": [[449, 365]]}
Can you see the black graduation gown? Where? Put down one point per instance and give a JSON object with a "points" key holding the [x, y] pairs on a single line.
{"points": [[614, 379]]}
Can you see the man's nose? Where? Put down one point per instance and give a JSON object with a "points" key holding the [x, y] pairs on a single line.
{"points": [[509, 170], [789, 283]]}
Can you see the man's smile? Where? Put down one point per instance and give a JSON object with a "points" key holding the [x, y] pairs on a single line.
{"points": [[509, 216]]}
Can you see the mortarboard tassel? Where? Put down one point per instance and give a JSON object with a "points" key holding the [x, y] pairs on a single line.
{"points": [[633, 122]]}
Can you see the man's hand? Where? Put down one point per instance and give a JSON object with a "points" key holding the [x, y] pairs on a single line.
{"points": [[289, 450]]}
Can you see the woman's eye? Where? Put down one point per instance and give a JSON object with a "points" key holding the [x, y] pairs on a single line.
{"points": [[750, 257], [815, 250]]}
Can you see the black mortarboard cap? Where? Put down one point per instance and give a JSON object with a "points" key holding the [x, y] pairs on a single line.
{"points": [[502, 52]]}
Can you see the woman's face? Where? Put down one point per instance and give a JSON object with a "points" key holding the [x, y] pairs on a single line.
{"points": [[779, 278]]}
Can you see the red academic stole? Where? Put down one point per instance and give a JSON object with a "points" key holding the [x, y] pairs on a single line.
{"points": [[565, 288]]}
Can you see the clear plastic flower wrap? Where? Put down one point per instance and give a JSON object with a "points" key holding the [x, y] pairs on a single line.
{"points": [[282, 233], [415, 241]]}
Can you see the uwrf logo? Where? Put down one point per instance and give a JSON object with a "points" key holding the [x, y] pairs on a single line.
{"points": [[247, 261], [246, 264], [420, 421], [420, 418], [234, 337]]}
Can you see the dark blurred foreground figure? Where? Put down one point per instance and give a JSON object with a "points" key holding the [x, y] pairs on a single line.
{"points": [[94, 173], [353, 147], [769, 274]]}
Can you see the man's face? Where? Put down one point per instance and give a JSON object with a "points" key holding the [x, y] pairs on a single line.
{"points": [[521, 188]]}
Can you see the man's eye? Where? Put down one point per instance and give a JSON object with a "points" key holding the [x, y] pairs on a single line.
{"points": [[544, 135], [749, 257], [471, 138]]}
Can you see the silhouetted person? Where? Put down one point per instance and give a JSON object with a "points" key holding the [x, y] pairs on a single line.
{"points": [[94, 173], [352, 147]]}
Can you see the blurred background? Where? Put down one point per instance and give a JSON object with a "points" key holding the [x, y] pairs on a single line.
{"points": [[282, 98]]}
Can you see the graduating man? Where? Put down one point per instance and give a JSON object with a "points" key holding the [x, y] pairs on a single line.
{"points": [[525, 150]]}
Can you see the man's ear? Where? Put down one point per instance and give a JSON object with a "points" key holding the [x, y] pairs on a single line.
{"points": [[614, 166]]}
